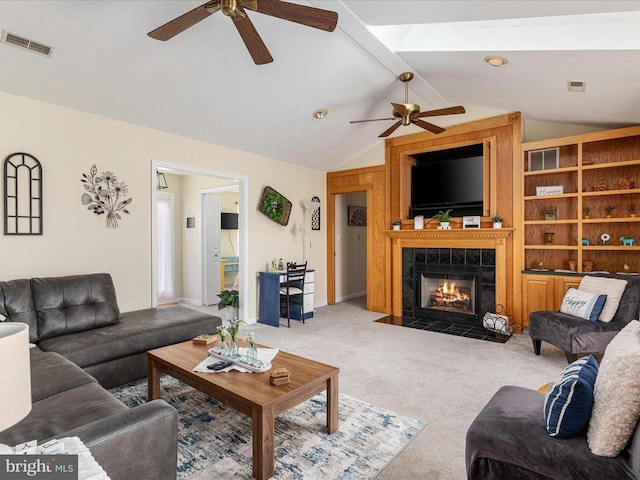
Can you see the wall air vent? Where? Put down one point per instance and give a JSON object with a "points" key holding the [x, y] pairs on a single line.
{"points": [[26, 44], [575, 86]]}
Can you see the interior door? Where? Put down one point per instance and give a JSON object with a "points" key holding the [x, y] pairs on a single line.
{"points": [[211, 249]]}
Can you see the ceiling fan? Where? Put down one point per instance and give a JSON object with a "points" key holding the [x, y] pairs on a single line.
{"points": [[235, 9], [409, 113]]}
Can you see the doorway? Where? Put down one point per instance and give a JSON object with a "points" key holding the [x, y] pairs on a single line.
{"points": [[189, 228], [351, 246], [373, 181]]}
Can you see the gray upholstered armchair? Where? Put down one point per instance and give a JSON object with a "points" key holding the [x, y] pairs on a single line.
{"points": [[576, 336]]}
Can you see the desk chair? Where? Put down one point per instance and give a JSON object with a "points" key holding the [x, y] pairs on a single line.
{"points": [[292, 290]]}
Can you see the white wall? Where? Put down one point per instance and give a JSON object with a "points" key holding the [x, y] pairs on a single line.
{"points": [[67, 142], [535, 130], [351, 249]]}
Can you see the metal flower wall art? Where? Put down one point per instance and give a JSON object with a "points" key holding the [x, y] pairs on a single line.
{"points": [[105, 195]]}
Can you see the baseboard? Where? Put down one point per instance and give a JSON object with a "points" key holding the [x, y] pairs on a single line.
{"points": [[351, 296], [190, 301]]}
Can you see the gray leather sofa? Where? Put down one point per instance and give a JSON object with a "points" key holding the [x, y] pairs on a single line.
{"points": [[78, 317], [84, 345], [128, 443]]}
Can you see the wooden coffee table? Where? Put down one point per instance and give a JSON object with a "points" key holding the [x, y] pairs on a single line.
{"points": [[250, 393]]}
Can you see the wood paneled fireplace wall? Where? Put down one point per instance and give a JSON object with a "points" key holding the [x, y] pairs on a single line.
{"points": [[501, 138]]}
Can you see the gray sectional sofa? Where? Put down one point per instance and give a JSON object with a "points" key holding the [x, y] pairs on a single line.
{"points": [[83, 345]]}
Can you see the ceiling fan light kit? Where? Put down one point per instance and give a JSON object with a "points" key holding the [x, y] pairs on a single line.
{"points": [[235, 9], [409, 113]]}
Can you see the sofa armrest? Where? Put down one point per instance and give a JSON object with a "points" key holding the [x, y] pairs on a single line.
{"points": [[141, 442]]}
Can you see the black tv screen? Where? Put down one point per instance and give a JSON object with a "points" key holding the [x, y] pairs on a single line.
{"points": [[229, 221], [452, 178]]}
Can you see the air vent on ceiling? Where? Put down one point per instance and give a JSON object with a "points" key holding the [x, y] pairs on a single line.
{"points": [[26, 44], [575, 86]]}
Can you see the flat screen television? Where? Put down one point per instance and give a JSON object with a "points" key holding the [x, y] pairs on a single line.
{"points": [[229, 221], [452, 178]]}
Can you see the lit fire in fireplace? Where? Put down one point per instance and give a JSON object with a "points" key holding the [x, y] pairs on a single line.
{"points": [[449, 296]]}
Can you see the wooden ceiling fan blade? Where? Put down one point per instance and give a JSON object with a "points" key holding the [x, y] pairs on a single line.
{"points": [[400, 108], [443, 111], [251, 38], [428, 126], [180, 24], [372, 120], [310, 16], [390, 130]]}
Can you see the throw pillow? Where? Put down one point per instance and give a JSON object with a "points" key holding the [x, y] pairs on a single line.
{"points": [[613, 288], [616, 402], [568, 403], [583, 304]]}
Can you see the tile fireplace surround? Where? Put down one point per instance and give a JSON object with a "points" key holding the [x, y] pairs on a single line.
{"points": [[468, 239]]}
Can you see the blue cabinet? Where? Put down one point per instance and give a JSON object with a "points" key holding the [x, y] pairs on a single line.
{"points": [[269, 300]]}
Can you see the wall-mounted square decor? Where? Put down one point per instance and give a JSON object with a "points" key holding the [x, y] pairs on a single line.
{"points": [[357, 216], [275, 206]]}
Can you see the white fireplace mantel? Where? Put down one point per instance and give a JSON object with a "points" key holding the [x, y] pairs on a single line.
{"points": [[490, 238]]}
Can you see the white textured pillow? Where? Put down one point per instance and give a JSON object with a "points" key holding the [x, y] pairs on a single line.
{"points": [[616, 402], [613, 288]]}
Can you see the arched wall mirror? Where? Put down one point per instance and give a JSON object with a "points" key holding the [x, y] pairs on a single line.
{"points": [[22, 195]]}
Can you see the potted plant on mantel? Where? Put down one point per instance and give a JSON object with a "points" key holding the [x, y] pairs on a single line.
{"points": [[229, 300], [497, 221], [395, 224], [443, 217]]}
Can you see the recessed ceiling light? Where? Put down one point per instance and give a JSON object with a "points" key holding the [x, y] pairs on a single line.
{"points": [[496, 60], [320, 113]]}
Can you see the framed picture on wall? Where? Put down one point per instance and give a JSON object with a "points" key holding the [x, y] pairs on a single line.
{"points": [[357, 216]]}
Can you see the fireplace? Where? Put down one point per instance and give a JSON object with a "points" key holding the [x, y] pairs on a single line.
{"points": [[453, 284]]}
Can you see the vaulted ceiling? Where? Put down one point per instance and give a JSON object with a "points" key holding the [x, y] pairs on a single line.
{"points": [[203, 84]]}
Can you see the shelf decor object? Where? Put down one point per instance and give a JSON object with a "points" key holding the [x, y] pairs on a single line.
{"points": [[549, 190], [275, 206], [550, 212], [473, 221], [22, 195], [626, 183], [105, 194]]}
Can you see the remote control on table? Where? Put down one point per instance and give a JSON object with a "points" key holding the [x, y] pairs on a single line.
{"points": [[256, 366], [221, 365]]}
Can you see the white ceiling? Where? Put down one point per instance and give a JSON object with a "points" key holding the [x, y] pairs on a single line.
{"points": [[203, 84]]}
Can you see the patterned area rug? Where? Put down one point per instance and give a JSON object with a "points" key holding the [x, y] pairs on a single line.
{"points": [[214, 441]]}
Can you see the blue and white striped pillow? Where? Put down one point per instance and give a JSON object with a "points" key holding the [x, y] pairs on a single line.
{"points": [[568, 402]]}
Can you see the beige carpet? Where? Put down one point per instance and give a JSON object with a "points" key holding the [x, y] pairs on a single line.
{"points": [[440, 379]]}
